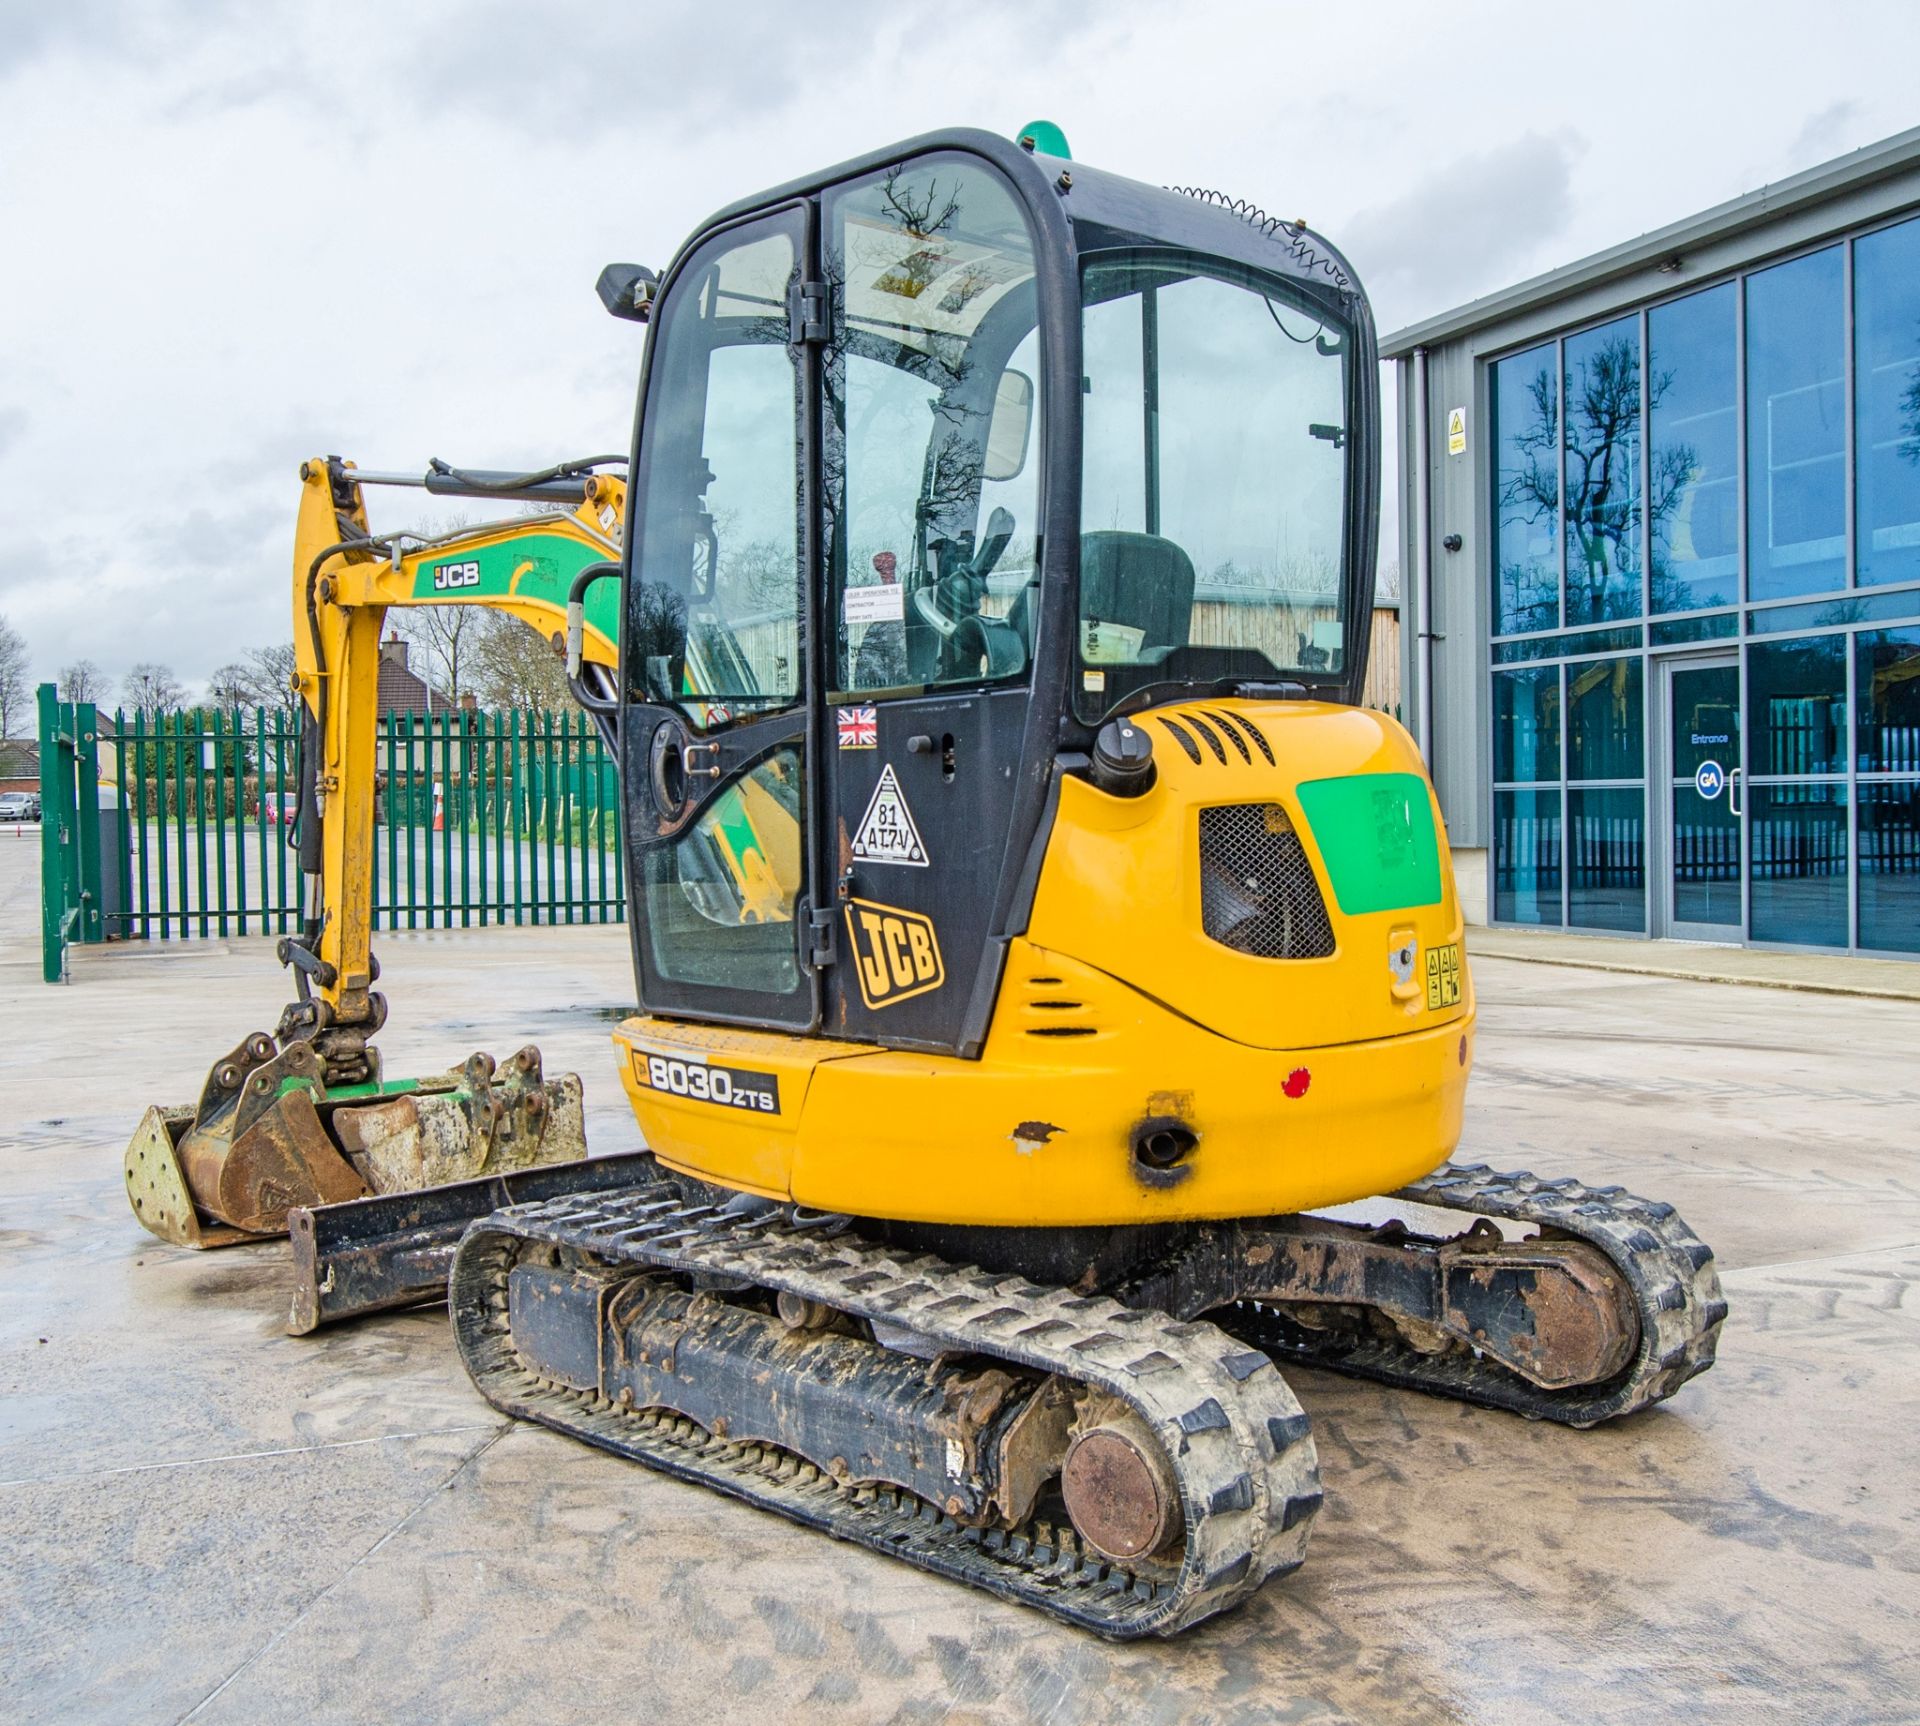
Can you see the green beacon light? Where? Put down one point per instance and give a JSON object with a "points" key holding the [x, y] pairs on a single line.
{"points": [[1044, 138]]}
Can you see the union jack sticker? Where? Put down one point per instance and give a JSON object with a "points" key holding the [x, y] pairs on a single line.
{"points": [[858, 727]]}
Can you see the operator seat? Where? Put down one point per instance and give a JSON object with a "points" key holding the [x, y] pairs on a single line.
{"points": [[1139, 580]]}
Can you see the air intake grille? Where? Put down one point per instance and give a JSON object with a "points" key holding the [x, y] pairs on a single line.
{"points": [[1257, 891]]}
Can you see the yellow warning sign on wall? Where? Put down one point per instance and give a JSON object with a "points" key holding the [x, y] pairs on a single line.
{"points": [[1456, 431]]}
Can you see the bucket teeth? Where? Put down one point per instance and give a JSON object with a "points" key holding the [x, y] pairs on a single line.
{"points": [[267, 1137]]}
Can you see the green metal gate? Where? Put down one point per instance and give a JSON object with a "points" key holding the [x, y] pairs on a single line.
{"points": [[481, 818]]}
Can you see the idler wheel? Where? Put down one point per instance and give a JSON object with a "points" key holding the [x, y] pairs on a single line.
{"points": [[1120, 1491]]}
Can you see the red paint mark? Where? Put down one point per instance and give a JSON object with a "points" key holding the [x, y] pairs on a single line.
{"points": [[885, 564], [1463, 1051], [1297, 1082]]}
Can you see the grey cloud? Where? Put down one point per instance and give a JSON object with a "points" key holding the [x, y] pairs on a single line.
{"points": [[31, 30], [645, 70], [13, 426], [1465, 229], [1826, 134]]}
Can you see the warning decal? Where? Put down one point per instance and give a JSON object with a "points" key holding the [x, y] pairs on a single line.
{"points": [[1443, 976], [887, 833]]}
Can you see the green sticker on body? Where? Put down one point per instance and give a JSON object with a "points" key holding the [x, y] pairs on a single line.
{"points": [[1376, 835]]}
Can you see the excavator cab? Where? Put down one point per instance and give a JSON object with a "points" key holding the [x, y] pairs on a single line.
{"points": [[950, 465]]}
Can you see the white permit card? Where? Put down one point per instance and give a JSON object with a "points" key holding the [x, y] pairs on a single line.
{"points": [[882, 602]]}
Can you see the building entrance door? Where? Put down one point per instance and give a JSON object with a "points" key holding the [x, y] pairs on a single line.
{"points": [[1703, 830]]}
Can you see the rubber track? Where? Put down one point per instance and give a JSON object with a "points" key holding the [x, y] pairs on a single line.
{"points": [[1241, 1447], [1666, 1266]]}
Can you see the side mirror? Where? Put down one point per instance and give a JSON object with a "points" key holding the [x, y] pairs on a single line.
{"points": [[626, 290], [1011, 427]]}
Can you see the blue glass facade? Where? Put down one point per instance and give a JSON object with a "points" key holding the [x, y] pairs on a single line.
{"points": [[1729, 481]]}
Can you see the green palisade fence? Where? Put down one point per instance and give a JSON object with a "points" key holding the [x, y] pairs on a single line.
{"points": [[481, 818]]}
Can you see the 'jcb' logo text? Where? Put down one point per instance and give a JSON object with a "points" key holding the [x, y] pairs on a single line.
{"points": [[895, 953]]}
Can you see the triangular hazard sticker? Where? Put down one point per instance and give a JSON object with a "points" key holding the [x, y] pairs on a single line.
{"points": [[887, 833]]}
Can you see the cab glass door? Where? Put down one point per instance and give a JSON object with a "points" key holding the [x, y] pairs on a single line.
{"points": [[713, 737]]}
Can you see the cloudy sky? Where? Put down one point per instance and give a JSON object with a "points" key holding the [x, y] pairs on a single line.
{"points": [[238, 235]]}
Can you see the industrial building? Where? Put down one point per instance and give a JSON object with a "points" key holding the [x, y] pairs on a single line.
{"points": [[1661, 527]]}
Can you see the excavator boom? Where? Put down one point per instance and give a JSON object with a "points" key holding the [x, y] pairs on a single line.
{"points": [[297, 1124]]}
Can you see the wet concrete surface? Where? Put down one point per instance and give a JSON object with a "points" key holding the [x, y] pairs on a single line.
{"points": [[206, 1519]]}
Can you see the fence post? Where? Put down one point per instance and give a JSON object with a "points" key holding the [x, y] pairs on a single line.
{"points": [[70, 908]]}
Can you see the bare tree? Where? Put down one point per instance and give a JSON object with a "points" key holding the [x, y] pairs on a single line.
{"points": [[513, 665], [270, 672], [14, 688], [230, 686], [150, 688], [82, 681], [445, 635]]}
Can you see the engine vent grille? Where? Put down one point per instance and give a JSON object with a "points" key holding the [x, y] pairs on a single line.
{"points": [[1257, 891]]}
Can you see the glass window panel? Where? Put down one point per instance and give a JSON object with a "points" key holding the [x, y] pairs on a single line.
{"points": [[1890, 865], [1835, 613], [1693, 452], [1797, 706], [1565, 644], [1606, 859], [1603, 472], [1526, 856], [933, 429], [1706, 718], [1526, 442], [1526, 724], [1886, 398], [1215, 458], [715, 606], [1796, 431], [1886, 676], [1797, 836], [1605, 720], [720, 898], [1714, 628], [1706, 859]]}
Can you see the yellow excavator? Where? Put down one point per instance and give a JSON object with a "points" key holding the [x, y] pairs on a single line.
{"points": [[995, 575]]}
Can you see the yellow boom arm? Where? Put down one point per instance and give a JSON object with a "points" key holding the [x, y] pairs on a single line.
{"points": [[345, 579]]}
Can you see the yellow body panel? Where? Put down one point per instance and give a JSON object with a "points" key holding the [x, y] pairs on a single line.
{"points": [[1306, 1081]]}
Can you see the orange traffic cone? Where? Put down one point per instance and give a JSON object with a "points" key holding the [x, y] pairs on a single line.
{"points": [[439, 811]]}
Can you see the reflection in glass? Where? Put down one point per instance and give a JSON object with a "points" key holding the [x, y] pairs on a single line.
{"points": [[1798, 835], [1796, 429], [1797, 706], [928, 379], [720, 898], [1526, 856], [1886, 397], [1706, 717], [1526, 724], [1693, 451], [1886, 676], [1607, 859], [1706, 859], [1603, 472], [1605, 720], [1526, 442], [1890, 865], [714, 607]]}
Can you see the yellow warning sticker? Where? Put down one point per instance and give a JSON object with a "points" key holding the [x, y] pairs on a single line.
{"points": [[1456, 431], [1443, 975]]}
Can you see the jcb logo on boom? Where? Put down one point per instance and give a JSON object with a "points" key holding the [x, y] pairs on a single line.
{"points": [[451, 575], [895, 953]]}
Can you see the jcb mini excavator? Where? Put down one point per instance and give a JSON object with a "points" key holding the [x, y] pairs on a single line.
{"points": [[994, 599]]}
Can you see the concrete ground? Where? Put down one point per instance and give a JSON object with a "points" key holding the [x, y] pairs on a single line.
{"points": [[208, 1520]]}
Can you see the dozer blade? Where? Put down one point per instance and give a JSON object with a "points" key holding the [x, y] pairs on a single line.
{"points": [[267, 1136], [394, 1250]]}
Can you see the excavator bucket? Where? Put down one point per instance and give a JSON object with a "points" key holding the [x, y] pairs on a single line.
{"points": [[268, 1136]]}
